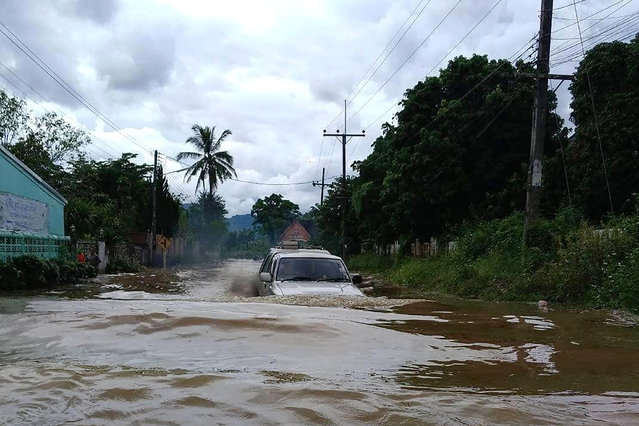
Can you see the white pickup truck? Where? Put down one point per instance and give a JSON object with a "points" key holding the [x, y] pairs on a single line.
{"points": [[306, 271]]}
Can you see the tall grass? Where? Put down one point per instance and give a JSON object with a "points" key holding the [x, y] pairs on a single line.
{"points": [[564, 259]]}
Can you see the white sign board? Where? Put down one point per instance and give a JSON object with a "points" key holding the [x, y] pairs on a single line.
{"points": [[23, 214], [536, 174]]}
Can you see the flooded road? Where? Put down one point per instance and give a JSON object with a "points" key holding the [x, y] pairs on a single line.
{"points": [[191, 347]]}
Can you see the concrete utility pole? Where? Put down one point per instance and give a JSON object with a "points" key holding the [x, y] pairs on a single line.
{"points": [[322, 185], [540, 111], [154, 220], [344, 141], [535, 167]]}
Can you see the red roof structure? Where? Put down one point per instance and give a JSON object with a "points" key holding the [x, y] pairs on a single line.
{"points": [[295, 232]]}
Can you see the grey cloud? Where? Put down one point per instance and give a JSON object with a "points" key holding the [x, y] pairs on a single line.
{"points": [[98, 11], [138, 60]]}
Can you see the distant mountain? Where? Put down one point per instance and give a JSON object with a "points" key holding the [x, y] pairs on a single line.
{"points": [[239, 222]]}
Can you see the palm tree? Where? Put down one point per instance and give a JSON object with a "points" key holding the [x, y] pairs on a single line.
{"points": [[211, 163]]}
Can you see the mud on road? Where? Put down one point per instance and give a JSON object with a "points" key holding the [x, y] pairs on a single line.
{"points": [[192, 346]]}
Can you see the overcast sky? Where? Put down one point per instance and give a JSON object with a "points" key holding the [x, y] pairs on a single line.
{"points": [[276, 73]]}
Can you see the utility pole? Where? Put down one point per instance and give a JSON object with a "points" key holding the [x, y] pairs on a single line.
{"points": [[344, 141], [322, 185], [533, 193], [540, 111], [154, 220]]}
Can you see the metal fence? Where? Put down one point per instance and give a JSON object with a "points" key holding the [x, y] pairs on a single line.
{"points": [[14, 244]]}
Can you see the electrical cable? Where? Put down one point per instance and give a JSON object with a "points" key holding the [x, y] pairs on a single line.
{"points": [[469, 32], [594, 113], [407, 59], [45, 110], [109, 154], [379, 56], [66, 86]]}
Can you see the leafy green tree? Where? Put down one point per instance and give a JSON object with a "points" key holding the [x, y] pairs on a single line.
{"points": [[455, 154], [59, 138], [211, 164], [274, 213], [612, 71], [168, 207], [13, 118], [206, 218], [31, 152], [329, 218]]}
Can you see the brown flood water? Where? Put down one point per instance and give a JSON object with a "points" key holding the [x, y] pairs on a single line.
{"points": [[189, 347]]}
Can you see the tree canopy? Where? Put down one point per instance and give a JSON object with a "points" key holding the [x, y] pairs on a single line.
{"points": [[211, 164], [274, 213]]}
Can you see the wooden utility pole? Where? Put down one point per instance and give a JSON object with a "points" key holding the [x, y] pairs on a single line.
{"points": [[540, 110], [344, 141], [154, 220], [322, 185]]}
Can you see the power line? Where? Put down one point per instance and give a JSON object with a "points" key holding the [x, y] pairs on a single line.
{"points": [[559, 49], [379, 56], [24, 48], [279, 184], [567, 5], [594, 14], [408, 58], [444, 57], [615, 32], [594, 113], [112, 152], [514, 57], [45, 110], [388, 54]]}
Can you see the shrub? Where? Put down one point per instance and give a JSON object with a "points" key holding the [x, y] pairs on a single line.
{"points": [[28, 271], [582, 262], [121, 263], [9, 275], [370, 262]]}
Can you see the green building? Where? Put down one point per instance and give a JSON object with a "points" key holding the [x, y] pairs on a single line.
{"points": [[31, 211]]}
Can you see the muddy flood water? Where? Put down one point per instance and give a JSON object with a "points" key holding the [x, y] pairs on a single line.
{"points": [[191, 347]]}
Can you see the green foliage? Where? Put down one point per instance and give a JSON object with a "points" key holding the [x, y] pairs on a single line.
{"points": [[611, 70], [121, 264], [206, 220], [32, 272], [58, 137], [115, 196], [246, 244], [36, 157], [564, 260], [13, 118], [274, 213], [329, 218], [211, 164], [370, 262], [454, 155]]}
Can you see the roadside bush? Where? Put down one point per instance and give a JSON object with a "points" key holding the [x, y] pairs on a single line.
{"points": [[583, 262], [565, 260], [370, 262], [619, 288], [9, 275], [32, 272], [122, 264]]}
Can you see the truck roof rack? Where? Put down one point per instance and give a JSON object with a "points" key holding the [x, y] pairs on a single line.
{"points": [[297, 244]]}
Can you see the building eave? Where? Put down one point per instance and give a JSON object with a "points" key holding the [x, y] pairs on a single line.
{"points": [[38, 180]]}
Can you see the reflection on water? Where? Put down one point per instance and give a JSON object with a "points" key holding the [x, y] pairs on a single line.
{"points": [[205, 354]]}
